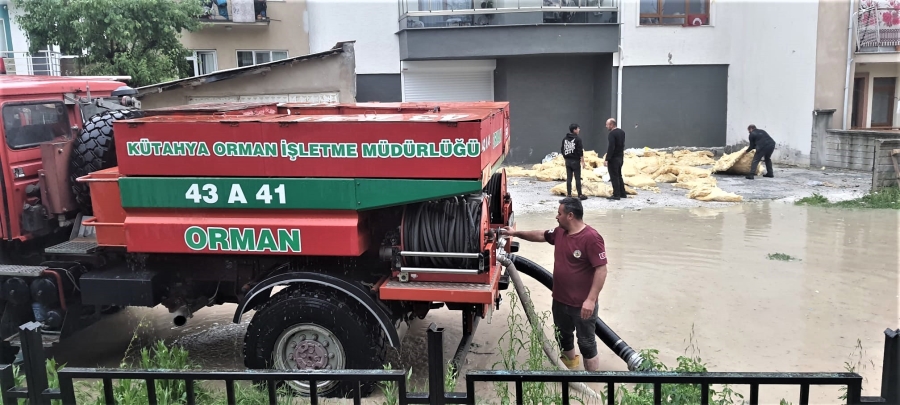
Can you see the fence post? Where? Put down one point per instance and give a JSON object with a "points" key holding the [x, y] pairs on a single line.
{"points": [[890, 370], [35, 366], [436, 365]]}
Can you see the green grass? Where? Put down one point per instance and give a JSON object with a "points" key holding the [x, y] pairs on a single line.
{"points": [[782, 257], [888, 198]]}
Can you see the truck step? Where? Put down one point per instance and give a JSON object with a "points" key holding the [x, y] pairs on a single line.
{"points": [[469, 293], [80, 246], [13, 270]]}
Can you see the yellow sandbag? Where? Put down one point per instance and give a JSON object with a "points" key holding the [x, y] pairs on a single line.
{"points": [[690, 182], [518, 171], [699, 158], [737, 163], [551, 173], [666, 178], [712, 193], [641, 180]]}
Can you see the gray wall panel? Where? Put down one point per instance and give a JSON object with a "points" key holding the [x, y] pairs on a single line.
{"points": [[502, 41], [665, 106], [378, 87]]}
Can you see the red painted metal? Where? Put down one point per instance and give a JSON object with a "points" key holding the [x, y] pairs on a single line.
{"points": [[22, 85], [322, 233], [109, 216], [476, 124]]}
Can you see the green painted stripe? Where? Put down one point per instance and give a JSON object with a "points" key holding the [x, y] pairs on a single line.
{"points": [[284, 193]]}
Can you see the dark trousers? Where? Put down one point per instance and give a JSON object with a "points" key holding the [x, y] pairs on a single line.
{"points": [[764, 152], [615, 177], [568, 322], [573, 167]]}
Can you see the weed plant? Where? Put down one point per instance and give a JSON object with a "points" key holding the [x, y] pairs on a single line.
{"points": [[888, 198]]}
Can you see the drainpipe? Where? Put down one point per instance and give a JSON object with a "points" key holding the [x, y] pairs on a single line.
{"points": [[619, 94], [849, 64]]}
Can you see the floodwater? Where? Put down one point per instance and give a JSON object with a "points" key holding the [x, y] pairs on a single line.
{"points": [[675, 274]]}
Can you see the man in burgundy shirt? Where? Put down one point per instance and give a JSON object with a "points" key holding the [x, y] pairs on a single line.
{"points": [[579, 272]]}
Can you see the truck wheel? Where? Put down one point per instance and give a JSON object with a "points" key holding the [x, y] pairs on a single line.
{"points": [[94, 149], [315, 328]]}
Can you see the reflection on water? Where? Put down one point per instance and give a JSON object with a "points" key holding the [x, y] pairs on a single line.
{"points": [[672, 270]]}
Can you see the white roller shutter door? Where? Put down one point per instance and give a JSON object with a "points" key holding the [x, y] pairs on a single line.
{"points": [[448, 80]]}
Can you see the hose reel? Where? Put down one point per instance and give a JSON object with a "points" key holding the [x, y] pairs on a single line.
{"points": [[445, 236]]}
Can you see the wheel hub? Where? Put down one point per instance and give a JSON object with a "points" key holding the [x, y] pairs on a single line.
{"points": [[310, 354]]}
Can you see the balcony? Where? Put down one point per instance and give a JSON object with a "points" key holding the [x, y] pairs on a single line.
{"points": [[449, 29], [44, 63], [878, 26], [242, 13]]}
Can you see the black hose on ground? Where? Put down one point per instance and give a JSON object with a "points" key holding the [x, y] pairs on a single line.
{"points": [[609, 338]]}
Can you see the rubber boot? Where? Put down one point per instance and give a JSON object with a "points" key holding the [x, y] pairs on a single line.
{"points": [[592, 364], [571, 364]]}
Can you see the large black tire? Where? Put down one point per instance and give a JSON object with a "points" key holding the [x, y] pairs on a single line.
{"points": [[362, 342], [93, 150]]}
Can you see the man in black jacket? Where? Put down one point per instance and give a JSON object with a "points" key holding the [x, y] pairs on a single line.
{"points": [[764, 145], [615, 158], [573, 153]]}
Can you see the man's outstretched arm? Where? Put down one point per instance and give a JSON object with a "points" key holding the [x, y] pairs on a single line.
{"points": [[531, 236]]}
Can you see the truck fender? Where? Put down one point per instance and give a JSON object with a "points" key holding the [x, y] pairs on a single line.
{"points": [[260, 293]]}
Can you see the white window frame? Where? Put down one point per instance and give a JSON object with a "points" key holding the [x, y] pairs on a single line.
{"points": [[237, 55], [195, 60]]}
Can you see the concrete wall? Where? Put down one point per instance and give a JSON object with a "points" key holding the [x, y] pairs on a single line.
{"points": [[884, 173], [288, 31], [770, 48], [502, 41], [371, 23], [854, 150], [333, 73], [831, 58], [546, 94], [676, 105]]}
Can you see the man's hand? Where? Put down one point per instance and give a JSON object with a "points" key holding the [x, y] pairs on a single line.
{"points": [[505, 231], [605, 163], [587, 309]]}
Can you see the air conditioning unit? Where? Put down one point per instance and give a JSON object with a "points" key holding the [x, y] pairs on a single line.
{"points": [[696, 20]]}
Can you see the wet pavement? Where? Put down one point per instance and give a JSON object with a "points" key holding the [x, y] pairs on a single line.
{"points": [[675, 274]]}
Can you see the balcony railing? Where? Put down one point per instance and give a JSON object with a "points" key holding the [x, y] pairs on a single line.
{"points": [[236, 11], [43, 63], [878, 26], [469, 13]]}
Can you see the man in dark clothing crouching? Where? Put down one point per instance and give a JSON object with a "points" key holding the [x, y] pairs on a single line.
{"points": [[764, 145], [579, 272], [615, 158]]}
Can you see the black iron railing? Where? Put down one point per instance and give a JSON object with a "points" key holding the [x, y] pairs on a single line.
{"points": [[39, 393]]}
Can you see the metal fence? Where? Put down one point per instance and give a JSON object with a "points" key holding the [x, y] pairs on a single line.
{"points": [[39, 393]]}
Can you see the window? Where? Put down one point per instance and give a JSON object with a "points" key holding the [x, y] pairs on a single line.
{"points": [[248, 58], [674, 12], [204, 62], [27, 125]]}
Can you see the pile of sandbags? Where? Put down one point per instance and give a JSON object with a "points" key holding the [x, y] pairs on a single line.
{"points": [[642, 169]]}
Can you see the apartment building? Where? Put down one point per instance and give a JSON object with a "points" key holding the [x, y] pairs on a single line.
{"points": [[240, 33]]}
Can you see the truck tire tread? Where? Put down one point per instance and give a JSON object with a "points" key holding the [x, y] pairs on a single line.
{"points": [[94, 149], [287, 307]]}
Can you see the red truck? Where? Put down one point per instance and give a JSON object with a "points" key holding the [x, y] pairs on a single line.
{"points": [[335, 224]]}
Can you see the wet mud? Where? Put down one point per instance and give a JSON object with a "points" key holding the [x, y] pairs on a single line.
{"points": [[676, 276]]}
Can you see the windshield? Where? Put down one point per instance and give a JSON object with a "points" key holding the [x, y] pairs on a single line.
{"points": [[27, 125]]}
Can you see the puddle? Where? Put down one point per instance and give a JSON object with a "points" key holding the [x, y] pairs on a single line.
{"points": [[671, 271]]}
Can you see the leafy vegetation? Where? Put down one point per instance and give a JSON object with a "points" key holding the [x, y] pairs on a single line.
{"points": [[115, 37], [888, 198], [781, 256]]}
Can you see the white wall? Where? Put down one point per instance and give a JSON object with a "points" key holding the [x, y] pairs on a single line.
{"points": [[371, 23], [770, 47]]}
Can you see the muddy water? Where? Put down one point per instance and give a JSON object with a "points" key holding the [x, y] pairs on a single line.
{"points": [[675, 274]]}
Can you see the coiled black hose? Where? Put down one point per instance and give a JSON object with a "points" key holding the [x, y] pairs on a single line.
{"points": [[609, 338], [496, 200], [448, 225]]}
